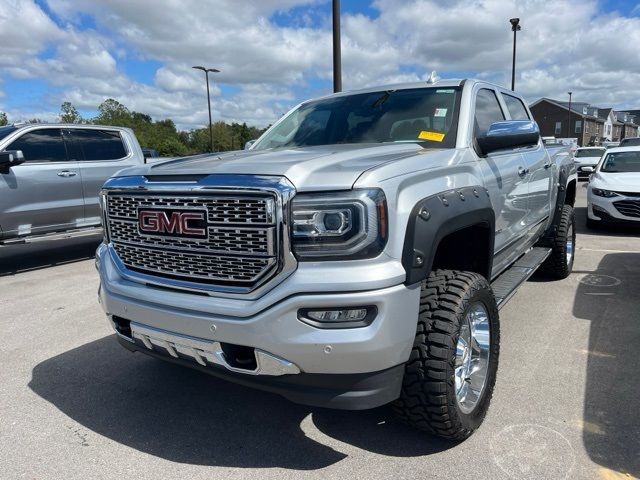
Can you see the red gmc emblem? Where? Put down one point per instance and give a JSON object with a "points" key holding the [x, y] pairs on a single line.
{"points": [[173, 223]]}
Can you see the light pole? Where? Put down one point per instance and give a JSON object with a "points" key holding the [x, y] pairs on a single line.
{"points": [[206, 74], [569, 117], [337, 54], [515, 27]]}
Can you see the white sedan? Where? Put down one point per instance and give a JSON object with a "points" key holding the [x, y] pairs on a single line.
{"points": [[613, 194]]}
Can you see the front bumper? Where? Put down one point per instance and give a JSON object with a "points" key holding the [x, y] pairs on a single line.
{"points": [[602, 209], [341, 368]]}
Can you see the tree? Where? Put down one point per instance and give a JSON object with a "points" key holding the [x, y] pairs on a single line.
{"points": [[112, 112], [3, 119], [69, 114]]}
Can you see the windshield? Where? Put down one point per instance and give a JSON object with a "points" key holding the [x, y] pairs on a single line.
{"points": [[630, 142], [621, 162], [589, 152], [4, 131], [426, 115]]}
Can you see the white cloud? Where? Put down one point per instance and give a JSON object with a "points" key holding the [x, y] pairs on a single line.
{"points": [[563, 45]]}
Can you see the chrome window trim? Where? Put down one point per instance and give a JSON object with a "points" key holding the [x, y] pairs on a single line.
{"points": [[280, 187]]}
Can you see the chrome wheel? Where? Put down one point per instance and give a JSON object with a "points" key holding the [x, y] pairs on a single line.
{"points": [[569, 247], [472, 357]]}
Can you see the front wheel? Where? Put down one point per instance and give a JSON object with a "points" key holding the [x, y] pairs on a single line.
{"points": [[451, 371]]}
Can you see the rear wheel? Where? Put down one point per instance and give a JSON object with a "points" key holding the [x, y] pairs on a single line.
{"points": [[451, 372], [560, 262]]}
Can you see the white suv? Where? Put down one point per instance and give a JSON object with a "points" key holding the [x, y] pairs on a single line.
{"points": [[613, 194]]}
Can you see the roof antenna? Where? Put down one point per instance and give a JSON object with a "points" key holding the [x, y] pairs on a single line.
{"points": [[433, 78]]}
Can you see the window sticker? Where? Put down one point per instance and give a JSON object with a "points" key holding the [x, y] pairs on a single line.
{"points": [[440, 112], [433, 136], [445, 91]]}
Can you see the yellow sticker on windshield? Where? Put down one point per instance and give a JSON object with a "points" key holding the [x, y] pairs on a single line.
{"points": [[433, 136]]}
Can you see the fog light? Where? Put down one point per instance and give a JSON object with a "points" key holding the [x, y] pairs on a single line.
{"points": [[338, 317]]}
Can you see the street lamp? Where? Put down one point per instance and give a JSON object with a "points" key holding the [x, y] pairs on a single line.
{"points": [[569, 119], [206, 74], [515, 27], [337, 54]]}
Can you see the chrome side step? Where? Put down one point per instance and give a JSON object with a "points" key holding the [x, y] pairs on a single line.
{"points": [[507, 284], [206, 352], [47, 237]]}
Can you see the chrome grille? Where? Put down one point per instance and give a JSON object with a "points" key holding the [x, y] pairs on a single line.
{"points": [[192, 265], [630, 208], [240, 248], [223, 209], [255, 241]]}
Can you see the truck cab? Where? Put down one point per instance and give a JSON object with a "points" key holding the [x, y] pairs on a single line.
{"points": [[51, 175]]}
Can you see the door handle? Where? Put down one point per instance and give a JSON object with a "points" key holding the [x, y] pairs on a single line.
{"points": [[522, 171], [66, 173]]}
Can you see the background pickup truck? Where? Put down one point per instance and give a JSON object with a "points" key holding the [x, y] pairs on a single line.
{"points": [[51, 175], [356, 255]]}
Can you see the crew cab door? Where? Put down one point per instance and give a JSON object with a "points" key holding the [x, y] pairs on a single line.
{"points": [[45, 192], [101, 152], [506, 179], [540, 171]]}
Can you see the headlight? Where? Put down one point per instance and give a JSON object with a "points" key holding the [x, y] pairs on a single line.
{"points": [[603, 193], [339, 225]]}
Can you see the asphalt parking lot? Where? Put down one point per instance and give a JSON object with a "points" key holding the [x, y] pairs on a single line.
{"points": [[76, 405]]}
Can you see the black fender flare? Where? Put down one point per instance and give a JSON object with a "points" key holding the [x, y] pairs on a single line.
{"points": [[564, 172], [435, 217]]}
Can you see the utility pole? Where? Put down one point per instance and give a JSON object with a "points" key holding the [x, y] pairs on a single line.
{"points": [[206, 74], [337, 53], [515, 27], [569, 117]]}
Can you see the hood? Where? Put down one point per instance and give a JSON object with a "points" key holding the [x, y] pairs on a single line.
{"points": [[618, 182], [327, 167]]}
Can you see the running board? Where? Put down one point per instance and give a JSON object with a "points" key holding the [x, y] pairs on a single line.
{"points": [[46, 237], [507, 284]]}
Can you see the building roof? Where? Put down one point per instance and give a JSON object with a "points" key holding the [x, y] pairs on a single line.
{"points": [[578, 108]]}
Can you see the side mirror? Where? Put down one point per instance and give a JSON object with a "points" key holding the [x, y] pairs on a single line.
{"points": [[249, 144], [508, 134], [588, 169], [10, 158]]}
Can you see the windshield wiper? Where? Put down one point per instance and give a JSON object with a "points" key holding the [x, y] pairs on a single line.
{"points": [[383, 98]]}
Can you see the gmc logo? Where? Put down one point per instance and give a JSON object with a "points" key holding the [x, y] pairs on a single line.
{"points": [[173, 223]]}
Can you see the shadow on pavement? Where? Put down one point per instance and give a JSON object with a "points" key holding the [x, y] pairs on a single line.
{"points": [[609, 299], [21, 258], [186, 416]]}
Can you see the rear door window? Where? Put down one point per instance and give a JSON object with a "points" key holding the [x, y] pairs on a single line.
{"points": [[516, 107], [43, 145], [99, 144], [488, 110]]}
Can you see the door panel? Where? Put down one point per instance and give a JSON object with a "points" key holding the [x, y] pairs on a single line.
{"points": [[508, 189], [100, 153], [44, 193], [541, 174], [505, 176]]}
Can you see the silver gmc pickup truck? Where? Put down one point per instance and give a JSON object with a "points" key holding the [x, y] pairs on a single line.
{"points": [[51, 176], [355, 255]]}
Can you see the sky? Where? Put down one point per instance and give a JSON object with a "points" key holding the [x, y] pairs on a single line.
{"points": [[275, 53]]}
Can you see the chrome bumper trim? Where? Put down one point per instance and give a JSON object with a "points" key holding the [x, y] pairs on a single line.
{"points": [[207, 352]]}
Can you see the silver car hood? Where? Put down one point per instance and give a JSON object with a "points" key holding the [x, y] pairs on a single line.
{"points": [[333, 167]]}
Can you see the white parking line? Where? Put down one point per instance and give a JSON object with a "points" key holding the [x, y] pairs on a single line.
{"points": [[607, 251]]}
